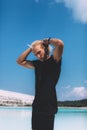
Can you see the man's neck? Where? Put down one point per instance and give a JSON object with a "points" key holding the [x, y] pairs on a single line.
{"points": [[46, 58]]}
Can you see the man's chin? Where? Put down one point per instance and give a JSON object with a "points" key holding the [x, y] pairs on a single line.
{"points": [[42, 59]]}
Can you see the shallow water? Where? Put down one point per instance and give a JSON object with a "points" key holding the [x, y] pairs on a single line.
{"points": [[20, 119]]}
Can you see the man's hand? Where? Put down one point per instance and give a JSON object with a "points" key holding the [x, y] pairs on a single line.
{"points": [[30, 46], [46, 41]]}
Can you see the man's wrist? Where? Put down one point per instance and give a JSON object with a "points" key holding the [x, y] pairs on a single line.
{"points": [[47, 41], [30, 49]]}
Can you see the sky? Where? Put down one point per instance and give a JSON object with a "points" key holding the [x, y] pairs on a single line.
{"points": [[24, 21]]}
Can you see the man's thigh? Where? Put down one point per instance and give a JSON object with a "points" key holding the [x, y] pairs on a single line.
{"points": [[42, 121]]}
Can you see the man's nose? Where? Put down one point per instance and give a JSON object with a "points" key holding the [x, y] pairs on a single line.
{"points": [[38, 55]]}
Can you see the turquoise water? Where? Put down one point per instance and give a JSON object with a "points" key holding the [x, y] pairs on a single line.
{"points": [[20, 119]]}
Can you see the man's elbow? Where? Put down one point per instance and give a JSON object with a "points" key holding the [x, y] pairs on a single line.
{"points": [[18, 61], [61, 43]]}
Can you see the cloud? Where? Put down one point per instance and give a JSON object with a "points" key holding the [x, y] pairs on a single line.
{"points": [[78, 8], [78, 92]]}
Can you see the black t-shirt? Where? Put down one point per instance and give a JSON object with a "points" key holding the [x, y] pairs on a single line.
{"points": [[46, 77]]}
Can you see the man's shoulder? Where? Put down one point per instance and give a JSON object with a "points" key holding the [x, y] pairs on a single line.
{"points": [[35, 62]]}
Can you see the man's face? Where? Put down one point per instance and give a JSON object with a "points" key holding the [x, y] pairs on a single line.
{"points": [[39, 52]]}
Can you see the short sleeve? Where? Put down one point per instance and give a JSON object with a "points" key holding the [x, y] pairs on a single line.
{"points": [[58, 62], [35, 63]]}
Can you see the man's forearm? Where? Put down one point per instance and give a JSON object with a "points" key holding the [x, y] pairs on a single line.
{"points": [[24, 55], [59, 45], [56, 42]]}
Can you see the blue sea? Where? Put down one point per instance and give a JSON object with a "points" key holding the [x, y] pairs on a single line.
{"points": [[19, 118]]}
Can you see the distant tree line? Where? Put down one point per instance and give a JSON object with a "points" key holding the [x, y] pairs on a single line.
{"points": [[75, 103]]}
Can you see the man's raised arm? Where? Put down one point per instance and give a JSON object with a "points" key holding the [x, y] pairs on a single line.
{"points": [[22, 59], [58, 44]]}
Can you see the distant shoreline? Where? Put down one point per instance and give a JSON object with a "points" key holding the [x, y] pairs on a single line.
{"points": [[75, 103], [74, 107], [31, 107]]}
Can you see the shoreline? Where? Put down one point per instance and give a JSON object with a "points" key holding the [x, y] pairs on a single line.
{"points": [[72, 107], [31, 107]]}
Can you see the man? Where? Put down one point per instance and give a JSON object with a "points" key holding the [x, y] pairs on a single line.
{"points": [[47, 71]]}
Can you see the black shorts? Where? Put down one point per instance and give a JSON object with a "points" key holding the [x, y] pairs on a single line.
{"points": [[41, 121]]}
